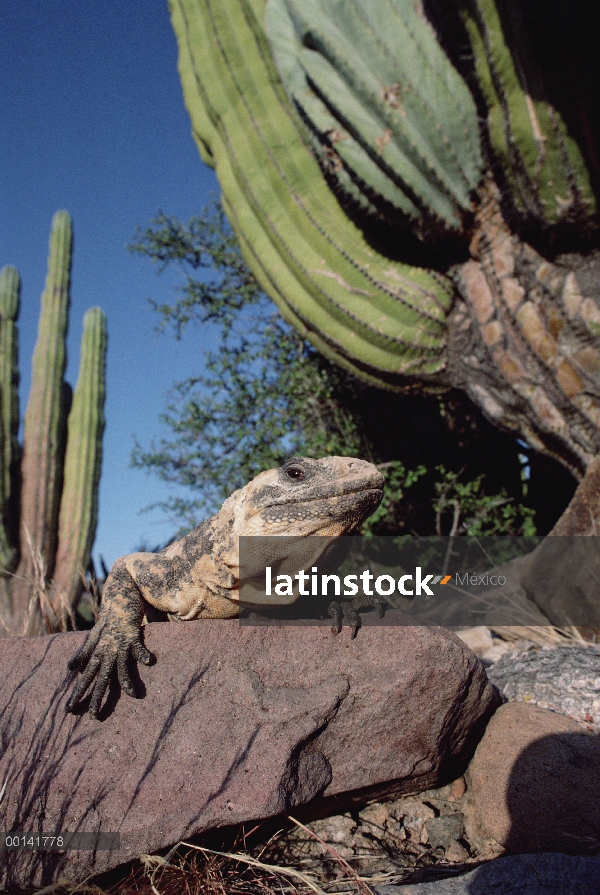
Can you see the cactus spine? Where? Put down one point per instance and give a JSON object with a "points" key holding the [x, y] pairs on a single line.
{"points": [[57, 502]]}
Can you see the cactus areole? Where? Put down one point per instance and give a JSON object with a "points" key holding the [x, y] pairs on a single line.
{"points": [[411, 195], [49, 501]]}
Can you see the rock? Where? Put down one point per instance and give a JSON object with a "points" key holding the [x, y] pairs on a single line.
{"points": [[334, 831], [455, 853], [581, 516], [545, 874], [375, 818], [443, 830], [533, 783], [412, 815], [238, 723], [457, 789], [565, 679]]}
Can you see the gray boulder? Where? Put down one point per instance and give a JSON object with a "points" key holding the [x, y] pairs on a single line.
{"points": [[565, 679], [545, 874]]}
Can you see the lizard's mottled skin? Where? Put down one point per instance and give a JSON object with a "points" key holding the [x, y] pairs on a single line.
{"points": [[198, 576]]}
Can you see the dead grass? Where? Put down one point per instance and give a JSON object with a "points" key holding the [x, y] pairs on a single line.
{"points": [[546, 635], [190, 869], [48, 611]]}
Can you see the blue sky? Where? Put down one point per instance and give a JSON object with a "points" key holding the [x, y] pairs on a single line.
{"points": [[93, 121]]}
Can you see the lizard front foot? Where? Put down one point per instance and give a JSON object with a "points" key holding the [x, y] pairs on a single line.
{"points": [[115, 639], [107, 645], [347, 612]]}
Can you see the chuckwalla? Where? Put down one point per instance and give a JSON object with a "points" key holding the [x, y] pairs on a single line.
{"points": [[198, 575]]}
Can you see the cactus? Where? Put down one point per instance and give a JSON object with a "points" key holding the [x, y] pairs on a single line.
{"points": [[78, 515], [9, 404], [55, 491], [320, 116], [46, 415]]}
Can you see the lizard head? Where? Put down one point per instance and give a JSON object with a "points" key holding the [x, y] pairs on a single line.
{"points": [[328, 497]]}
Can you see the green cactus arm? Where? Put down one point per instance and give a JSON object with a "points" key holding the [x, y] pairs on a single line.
{"points": [[543, 164], [9, 410], [45, 418], [79, 503], [380, 317], [375, 74]]}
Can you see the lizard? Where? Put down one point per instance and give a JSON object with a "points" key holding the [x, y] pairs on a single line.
{"points": [[197, 576]]}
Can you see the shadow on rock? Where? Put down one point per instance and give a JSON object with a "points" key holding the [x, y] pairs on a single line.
{"points": [[553, 796]]}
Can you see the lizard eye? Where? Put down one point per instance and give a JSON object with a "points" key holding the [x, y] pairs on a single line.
{"points": [[295, 473]]}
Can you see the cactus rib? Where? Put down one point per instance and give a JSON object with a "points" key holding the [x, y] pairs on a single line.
{"points": [[543, 164], [390, 117]]}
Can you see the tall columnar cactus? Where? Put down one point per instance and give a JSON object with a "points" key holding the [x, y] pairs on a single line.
{"points": [[9, 407], [49, 500], [78, 515], [46, 415], [328, 121]]}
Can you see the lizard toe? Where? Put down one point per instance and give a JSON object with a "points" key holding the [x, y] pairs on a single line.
{"points": [[123, 674], [82, 656], [351, 617], [84, 682], [336, 614], [101, 686]]}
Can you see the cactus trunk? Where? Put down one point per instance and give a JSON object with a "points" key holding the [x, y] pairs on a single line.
{"points": [[391, 120], [524, 340], [45, 419], [381, 319], [541, 162]]}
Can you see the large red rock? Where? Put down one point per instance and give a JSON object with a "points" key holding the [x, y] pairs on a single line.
{"points": [[236, 723]]}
